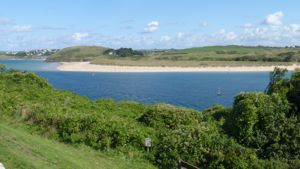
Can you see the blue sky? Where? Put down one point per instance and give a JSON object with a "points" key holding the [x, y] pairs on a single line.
{"points": [[142, 24]]}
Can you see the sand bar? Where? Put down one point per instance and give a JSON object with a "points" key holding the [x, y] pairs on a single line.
{"points": [[87, 67]]}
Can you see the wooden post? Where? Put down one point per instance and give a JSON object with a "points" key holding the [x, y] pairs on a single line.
{"points": [[179, 164], [185, 165]]}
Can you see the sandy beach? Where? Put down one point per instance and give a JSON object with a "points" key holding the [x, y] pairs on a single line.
{"points": [[87, 67]]}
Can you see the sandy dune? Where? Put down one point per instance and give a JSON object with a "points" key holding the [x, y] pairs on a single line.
{"points": [[87, 67]]}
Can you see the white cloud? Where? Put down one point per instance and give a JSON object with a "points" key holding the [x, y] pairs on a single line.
{"points": [[165, 38], [231, 36], [274, 19], [6, 21], [204, 24], [21, 28], [272, 33], [247, 25], [79, 36], [221, 31], [151, 27], [51, 28], [222, 34], [180, 34], [295, 27]]}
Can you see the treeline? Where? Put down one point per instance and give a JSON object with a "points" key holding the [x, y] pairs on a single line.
{"points": [[123, 52], [281, 57], [233, 56], [261, 130]]}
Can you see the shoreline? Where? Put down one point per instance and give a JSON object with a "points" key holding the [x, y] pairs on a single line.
{"points": [[87, 67]]}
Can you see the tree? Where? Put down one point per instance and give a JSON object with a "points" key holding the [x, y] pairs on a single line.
{"points": [[258, 121], [294, 92], [2, 68], [124, 52], [21, 54], [109, 52], [287, 56], [278, 82]]}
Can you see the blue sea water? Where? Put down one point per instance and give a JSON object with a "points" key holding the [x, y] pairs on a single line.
{"points": [[29, 65], [193, 90]]}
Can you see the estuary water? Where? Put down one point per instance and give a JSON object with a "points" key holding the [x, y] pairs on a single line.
{"points": [[192, 90]]}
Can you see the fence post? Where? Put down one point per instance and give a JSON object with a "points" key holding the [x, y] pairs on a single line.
{"points": [[179, 164], [185, 165]]}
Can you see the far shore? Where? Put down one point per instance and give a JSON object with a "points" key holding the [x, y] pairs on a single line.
{"points": [[87, 67]]}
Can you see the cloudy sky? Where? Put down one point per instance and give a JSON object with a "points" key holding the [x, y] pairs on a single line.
{"points": [[147, 24]]}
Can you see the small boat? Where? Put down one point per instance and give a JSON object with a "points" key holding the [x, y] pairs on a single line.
{"points": [[219, 93]]}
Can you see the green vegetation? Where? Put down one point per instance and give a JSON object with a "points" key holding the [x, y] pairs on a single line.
{"points": [[21, 150], [77, 53], [234, 53], [192, 57], [261, 130], [90, 53], [123, 52]]}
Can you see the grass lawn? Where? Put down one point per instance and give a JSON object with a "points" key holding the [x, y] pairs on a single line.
{"points": [[21, 150]]}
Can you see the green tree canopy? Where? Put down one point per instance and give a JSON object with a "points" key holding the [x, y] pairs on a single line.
{"points": [[279, 83]]}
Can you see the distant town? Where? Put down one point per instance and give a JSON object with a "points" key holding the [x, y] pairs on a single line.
{"points": [[30, 53]]}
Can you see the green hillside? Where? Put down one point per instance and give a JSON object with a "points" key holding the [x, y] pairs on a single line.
{"points": [[261, 130], [77, 53], [209, 56], [229, 48], [192, 57], [234, 53], [21, 150]]}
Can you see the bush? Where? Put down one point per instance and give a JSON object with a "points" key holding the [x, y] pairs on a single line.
{"points": [[258, 132], [169, 117], [202, 146], [260, 122]]}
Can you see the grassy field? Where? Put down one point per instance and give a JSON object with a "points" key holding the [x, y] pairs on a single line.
{"points": [[192, 57], [77, 53], [4, 57], [21, 150], [180, 63], [227, 53]]}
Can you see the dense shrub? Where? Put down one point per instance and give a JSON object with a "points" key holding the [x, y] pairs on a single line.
{"points": [[294, 92], [279, 83], [281, 57], [260, 131], [193, 137], [123, 52], [257, 118], [202, 146], [74, 119], [169, 117], [223, 117]]}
